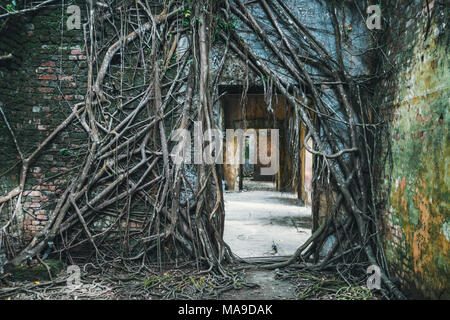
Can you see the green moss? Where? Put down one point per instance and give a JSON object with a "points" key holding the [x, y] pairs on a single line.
{"points": [[38, 272], [419, 195]]}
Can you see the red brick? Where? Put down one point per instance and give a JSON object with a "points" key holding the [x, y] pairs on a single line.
{"points": [[47, 77], [48, 64], [65, 78], [46, 90], [35, 194]]}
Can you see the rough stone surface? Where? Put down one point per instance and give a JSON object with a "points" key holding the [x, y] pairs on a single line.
{"points": [[415, 100]]}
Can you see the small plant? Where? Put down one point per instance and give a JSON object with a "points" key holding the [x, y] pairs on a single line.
{"points": [[68, 152], [225, 26], [11, 6]]}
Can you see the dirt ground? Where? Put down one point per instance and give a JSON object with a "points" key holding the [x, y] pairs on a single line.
{"points": [[260, 222], [249, 284], [268, 288], [252, 285]]}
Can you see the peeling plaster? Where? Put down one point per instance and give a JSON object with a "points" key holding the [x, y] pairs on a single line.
{"points": [[446, 230]]}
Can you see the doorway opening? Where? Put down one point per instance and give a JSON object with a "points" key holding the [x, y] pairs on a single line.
{"points": [[265, 214]]}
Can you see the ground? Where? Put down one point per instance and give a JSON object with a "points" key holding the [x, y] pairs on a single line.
{"points": [[268, 288], [261, 225], [250, 283], [263, 222]]}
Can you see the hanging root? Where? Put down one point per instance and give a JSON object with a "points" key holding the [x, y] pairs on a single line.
{"points": [[340, 135], [127, 199]]}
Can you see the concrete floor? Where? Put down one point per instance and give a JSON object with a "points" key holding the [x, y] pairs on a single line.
{"points": [[259, 219]]}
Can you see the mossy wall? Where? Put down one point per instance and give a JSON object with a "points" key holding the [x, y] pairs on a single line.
{"points": [[38, 87], [415, 156]]}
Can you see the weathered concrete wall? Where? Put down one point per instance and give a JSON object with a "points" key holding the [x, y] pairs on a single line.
{"points": [[415, 190]]}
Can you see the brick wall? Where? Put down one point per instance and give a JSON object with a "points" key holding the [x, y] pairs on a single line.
{"points": [[38, 87]]}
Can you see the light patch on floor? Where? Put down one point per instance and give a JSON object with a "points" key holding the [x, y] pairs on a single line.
{"points": [[265, 223]]}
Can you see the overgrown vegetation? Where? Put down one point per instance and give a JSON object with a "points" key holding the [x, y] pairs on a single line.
{"points": [[151, 75]]}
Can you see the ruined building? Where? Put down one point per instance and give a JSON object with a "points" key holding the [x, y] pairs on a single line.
{"points": [[47, 74]]}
